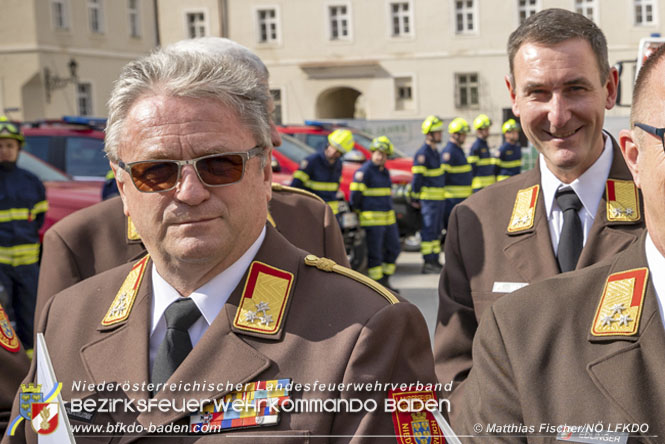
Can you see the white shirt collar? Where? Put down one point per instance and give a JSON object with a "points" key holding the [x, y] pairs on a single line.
{"points": [[656, 262], [589, 187], [211, 296]]}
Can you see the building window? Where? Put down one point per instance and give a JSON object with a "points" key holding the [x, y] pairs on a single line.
{"points": [[339, 22], [587, 8], [404, 93], [466, 90], [96, 16], [134, 18], [277, 110], [465, 16], [84, 98], [196, 24], [60, 14], [526, 8], [644, 12], [400, 19], [268, 25]]}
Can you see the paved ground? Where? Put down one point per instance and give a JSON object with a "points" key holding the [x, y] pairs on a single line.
{"points": [[420, 289]]}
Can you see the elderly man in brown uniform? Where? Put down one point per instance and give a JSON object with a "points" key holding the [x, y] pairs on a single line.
{"points": [[101, 237], [585, 348], [224, 304], [576, 207], [14, 367]]}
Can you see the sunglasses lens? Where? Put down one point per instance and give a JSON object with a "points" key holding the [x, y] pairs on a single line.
{"points": [[154, 176], [220, 170]]}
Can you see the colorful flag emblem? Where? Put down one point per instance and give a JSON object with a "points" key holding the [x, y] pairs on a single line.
{"points": [[44, 417]]}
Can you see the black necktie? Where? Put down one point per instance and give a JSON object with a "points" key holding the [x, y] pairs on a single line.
{"points": [[572, 238], [180, 315]]}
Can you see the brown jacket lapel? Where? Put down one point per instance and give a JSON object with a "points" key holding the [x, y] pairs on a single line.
{"points": [[632, 378], [520, 246]]}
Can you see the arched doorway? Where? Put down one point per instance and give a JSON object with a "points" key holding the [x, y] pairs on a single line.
{"points": [[339, 103]]}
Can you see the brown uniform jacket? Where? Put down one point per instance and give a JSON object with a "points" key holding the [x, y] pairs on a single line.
{"points": [[335, 330], [479, 251], [536, 358], [98, 238], [13, 368]]}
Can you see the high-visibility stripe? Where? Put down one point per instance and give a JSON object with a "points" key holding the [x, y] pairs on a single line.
{"points": [[388, 269], [357, 186], [427, 247], [334, 205], [501, 177], [40, 207], [482, 181], [418, 169], [472, 159], [302, 176], [436, 249], [458, 191], [375, 273], [432, 193], [487, 161], [376, 192], [376, 218], [435, 172], [323, 186], [510, 163], [19, 254], [457, 169]]}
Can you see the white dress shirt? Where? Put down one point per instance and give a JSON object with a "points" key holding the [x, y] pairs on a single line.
{"points": [[589, 187], [209, 298], [656, 263]]}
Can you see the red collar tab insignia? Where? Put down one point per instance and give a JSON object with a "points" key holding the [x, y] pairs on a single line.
{"points": [[524, 210], [124, 299], [44, 417], [620, 307], [264, 300], [623, 201], [257, 405], [132, 234], [413, 421], [8, 338]]}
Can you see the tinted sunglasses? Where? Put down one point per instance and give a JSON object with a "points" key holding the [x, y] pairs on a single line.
{"points": [[658, 132], [214, 170]]}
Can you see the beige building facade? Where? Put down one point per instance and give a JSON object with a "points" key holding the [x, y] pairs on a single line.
{"points": [[395, 59], [41, 38]]}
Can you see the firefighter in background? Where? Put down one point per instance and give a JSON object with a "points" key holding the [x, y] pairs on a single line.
{"points": [[510, 153], [321, 172], [22, 209], [429, 193], [458, 176], [481, 161], [370, 195]]}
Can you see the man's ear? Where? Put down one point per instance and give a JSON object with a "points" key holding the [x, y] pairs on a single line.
{"points": [[631, 154], [511, 92], [117, 172]]}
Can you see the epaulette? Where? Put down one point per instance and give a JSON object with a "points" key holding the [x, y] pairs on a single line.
{"points": [[331, 266], [280, 187], [8, 338], [264, 302], [132, 234], [623, 201], [620, 306], [524, 210], [124, 299]]}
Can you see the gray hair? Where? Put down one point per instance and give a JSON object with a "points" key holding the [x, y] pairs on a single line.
{"points": [[209, 67], [553, 26]]}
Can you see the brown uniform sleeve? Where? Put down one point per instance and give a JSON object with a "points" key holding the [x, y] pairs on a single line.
{"points": [[456, 321], [334, 241], [393, 347], [58, 269], [489, 395]]}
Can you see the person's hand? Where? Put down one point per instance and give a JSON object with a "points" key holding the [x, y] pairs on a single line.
{"points": [[415, 204]]}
